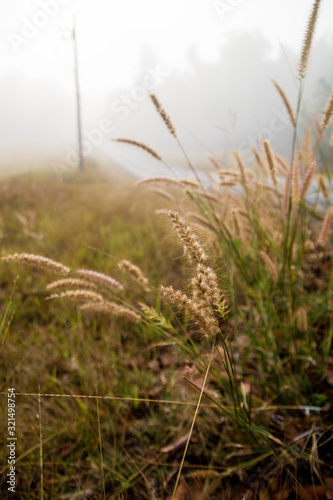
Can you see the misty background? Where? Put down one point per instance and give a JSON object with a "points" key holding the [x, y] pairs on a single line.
{"points": [[210, 63]]}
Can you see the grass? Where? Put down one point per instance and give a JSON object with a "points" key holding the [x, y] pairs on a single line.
{"points": [[210, 374]]}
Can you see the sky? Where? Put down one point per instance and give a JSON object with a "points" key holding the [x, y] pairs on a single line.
{"points": [[120, 43]]}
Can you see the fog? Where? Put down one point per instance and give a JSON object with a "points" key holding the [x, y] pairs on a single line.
{"points": [[217, 104]]}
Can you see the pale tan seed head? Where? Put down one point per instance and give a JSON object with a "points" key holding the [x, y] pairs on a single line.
{"points": [[135, 273], [163, 115], [190, 241], [286, 103], [302, 319], [308, 153], [237, 222], [78, 296], [328, 113], [270, 161], [325, 228], [307, 179], [101, 279], [206, 291], [241, 167], [259, 161], [157, 318], [111, 309], [284, 167], [203, 318], [270, 265], [215, 162], [295, 183], [308, 39], [38, 262], [140, 145], [163, 194], [70, 283], [286, 195], [322, 187]]}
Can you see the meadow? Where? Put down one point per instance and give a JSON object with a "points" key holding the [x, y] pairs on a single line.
{"points": [[173, 339]]}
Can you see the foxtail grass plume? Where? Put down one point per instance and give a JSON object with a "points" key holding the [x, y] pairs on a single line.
{"points": [[308, 39], [325, 228], [135, 272], [38, 262], [163, 115], [241, 167], [286, 195], [112, 309], [216, 164], [259, 160], [204, 319], [307, 179], [78, 296], [199, 219], [270, 265], [328, 112], [295, 183], [308, 147], [169, 180], [70, 283], [153, 316], [163, 194], [101, 279], [270, 161], [190, 242], [140, 145], [302, 319], [282, 163], [322, 187], [205, 287], [237, 222], [286, 103]]}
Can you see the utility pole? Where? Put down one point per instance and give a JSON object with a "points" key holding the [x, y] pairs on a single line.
{"points": [[78, 100], [70, 34]]}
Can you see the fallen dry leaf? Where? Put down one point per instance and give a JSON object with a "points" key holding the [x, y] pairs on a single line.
{"points": [[311, 492], [180, 492], [174, 447]]}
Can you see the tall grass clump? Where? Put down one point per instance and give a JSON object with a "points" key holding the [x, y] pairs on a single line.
{"points": [[253, 317]]}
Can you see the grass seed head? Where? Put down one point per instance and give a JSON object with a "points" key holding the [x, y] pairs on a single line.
{"points": [[111, 309], [190, 241], [142, 146], [308, 39], [135, 272], [286, 103], [101, 279], [328, 112], [164, 116], [38, 262]]}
